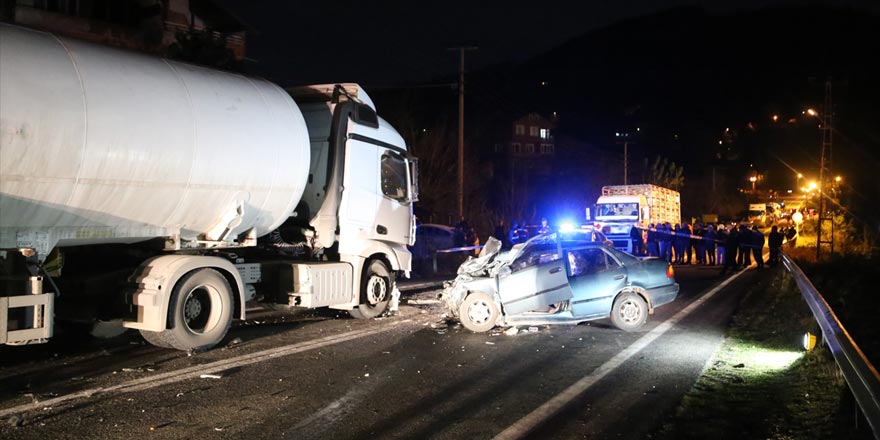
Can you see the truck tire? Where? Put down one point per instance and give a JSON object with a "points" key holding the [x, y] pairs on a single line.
{"points": [[376, 291], [199, 312], [629, 312]]}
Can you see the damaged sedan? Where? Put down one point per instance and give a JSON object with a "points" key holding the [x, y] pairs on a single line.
{"points": [[558, 278]]}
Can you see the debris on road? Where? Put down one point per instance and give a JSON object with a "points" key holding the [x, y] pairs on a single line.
{"points": [[15, 420], [423, 301], [533, 329], [211, 376], [234, 342], [512, 331], [140, 369]]}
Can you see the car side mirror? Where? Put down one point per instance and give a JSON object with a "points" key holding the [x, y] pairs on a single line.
{"points": [[504, 271]]}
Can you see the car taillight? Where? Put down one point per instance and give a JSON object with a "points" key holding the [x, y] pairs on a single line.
{"points": [[670, 272]]}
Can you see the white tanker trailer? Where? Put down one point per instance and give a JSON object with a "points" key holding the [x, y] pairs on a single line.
{"points": [[169, 195]]}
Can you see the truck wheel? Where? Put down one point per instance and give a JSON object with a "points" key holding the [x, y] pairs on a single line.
{"points": [[376, 287], [629, 312], [478, 312], [200, 312]]}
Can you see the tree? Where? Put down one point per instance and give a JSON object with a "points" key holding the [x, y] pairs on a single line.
{"points": [[663, 172]]}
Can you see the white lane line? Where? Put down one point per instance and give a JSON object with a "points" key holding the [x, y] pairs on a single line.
{"points": [[527, 424], [194, 372]]}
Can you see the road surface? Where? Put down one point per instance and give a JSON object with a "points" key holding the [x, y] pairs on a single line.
{"points": [[320, 375]]}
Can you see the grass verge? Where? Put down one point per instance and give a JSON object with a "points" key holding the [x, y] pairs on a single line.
{"points": [[761, 384]]}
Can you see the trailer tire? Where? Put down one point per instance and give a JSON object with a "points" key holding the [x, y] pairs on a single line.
{"points": [[199, 312], [377, 285]]}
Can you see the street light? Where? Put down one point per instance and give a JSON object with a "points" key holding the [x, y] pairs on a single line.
{"points": [[753, 179]]}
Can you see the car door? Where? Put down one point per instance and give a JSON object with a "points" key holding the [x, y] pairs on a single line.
{"points": [[596, 277], [538, 280]]}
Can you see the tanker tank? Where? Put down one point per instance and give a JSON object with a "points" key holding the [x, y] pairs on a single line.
{"points": [[99, 145]]}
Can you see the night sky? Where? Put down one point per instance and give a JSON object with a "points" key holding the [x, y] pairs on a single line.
{"points": [[681, 70], [393, 42]]}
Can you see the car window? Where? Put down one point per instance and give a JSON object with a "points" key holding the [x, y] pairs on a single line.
{"points": [[589, 261], [535, 255]]}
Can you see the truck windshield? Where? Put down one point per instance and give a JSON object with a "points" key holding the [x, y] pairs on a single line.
{"points": [[617, 209]]}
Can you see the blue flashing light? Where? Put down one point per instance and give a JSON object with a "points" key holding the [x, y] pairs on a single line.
{"points": [[566, 226]]}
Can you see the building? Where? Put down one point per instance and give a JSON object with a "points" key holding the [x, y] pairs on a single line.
{"points": [[199, 31]]}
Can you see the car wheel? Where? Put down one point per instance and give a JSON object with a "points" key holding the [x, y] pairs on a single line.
{"points": [[200, 312], [376, 291], [629, 312], [478, 312]]}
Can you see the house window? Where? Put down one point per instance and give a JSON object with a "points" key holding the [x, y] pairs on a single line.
{"points": [[547, 148], [530, 149], [517, 149], [520, 129], [533, 131], [545, 133]]}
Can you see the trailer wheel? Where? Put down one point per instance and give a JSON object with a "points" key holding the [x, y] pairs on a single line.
{"points": [[376, 290], [200, 312]]}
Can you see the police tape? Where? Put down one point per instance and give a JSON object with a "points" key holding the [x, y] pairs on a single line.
{"points": [[673, 235]]}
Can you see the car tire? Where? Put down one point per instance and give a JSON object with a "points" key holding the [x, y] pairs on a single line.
{"points": [[478, 312], [377, 286], [200, 312], [629, 312]]}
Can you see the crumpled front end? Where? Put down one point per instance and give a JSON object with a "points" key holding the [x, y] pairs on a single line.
{"points": [[474, 275], [454, 292]]}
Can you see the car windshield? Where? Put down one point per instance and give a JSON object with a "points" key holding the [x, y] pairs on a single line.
{"points": [[542, 248]]}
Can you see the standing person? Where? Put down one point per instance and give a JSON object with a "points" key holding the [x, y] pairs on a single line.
{"points": [[698, 244], [709, 245], [653, 249], [545, 226], [502, 235], [791, 236], [635, 234], [722, 239], [677, 247], [758, 246], [513, 234], [686, 243], [775, 243], [730, 249], [664, 238], [745, 247]]}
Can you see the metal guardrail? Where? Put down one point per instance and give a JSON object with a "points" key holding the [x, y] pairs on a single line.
{"points": [[860, 374]]}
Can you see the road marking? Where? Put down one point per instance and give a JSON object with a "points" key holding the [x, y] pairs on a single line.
{"points": [[539, 416], [213, 367]]}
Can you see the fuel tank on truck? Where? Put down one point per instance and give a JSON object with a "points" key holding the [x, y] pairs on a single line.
{"points": [[99, 145]]}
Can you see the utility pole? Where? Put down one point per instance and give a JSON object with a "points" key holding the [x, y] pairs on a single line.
{"points": [[461, 50], [625, 141], [825, 221]]}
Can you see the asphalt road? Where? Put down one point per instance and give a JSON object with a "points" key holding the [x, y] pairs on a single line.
{"points": [[317, 374]]}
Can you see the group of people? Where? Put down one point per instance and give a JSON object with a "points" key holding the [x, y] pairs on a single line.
{"points": [[518, 232], [730, 246]]}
